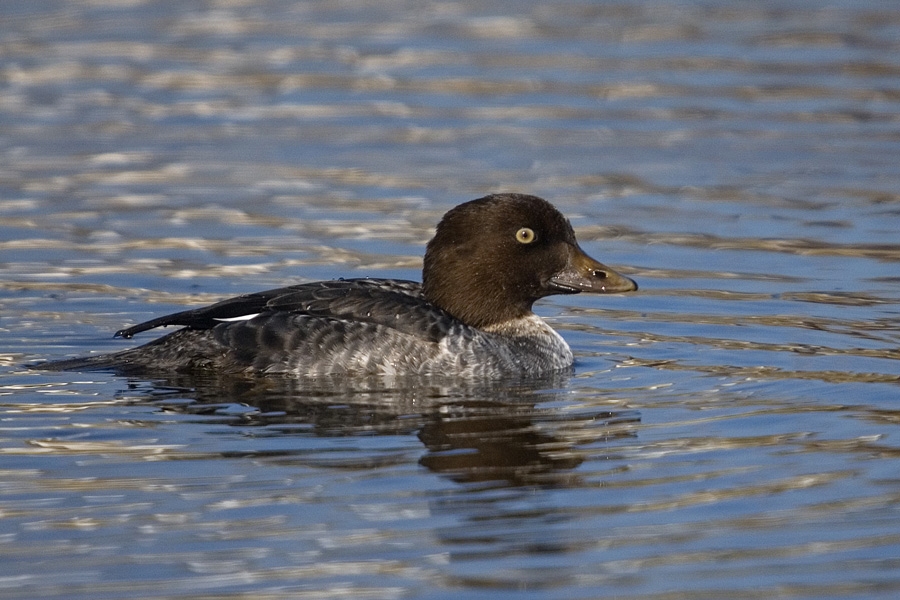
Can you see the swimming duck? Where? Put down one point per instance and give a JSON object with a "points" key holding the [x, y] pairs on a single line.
{"points": [[489, 261]]}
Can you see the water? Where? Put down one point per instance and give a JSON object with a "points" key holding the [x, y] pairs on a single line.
{"points": [[729, 430]]}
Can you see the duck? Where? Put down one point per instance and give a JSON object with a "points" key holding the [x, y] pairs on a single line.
{"points": [[489, 261]]}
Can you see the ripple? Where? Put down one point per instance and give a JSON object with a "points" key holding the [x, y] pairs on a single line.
{"points": [[728, 431]]}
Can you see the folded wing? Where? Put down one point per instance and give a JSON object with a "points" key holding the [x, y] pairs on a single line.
{"points": [[393, 303]]}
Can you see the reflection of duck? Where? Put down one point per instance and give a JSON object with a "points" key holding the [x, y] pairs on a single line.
{"points": [[488, 262], [499, 433], [513, 444]]}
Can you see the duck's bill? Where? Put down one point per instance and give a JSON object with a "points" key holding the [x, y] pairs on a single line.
{"points": [[584, 274]]}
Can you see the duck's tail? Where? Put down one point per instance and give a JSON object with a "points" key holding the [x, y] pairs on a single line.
{"points": [[180, 350], [117, 361]]}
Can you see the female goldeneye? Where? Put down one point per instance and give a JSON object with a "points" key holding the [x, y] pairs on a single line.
{"points": [[489, 260]]}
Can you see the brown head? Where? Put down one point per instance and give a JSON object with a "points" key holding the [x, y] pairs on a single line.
{"points": [[491, 258]]}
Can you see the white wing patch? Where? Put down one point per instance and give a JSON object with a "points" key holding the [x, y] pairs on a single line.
{"points": [[241, 318]]}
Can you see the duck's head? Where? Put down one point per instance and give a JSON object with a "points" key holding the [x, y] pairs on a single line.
{"points": [[491, 258]]}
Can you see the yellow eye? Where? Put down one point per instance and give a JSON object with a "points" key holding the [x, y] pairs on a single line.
{"points": [[525, 235]]}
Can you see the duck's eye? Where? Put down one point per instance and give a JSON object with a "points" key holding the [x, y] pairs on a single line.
{"points": [[525, 235]]}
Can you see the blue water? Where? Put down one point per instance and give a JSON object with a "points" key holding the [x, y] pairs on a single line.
{"points": [[728, 431]]}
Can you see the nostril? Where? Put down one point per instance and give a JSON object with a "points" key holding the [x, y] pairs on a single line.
{"points": [[600, 274]]}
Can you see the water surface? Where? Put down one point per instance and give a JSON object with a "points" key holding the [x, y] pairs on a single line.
{"points": [[728, 431]]}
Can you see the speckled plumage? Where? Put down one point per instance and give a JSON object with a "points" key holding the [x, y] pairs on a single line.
{"points": [[472, 317]]}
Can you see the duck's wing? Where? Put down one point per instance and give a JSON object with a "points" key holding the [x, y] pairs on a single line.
{"points": [[395, 303]]}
